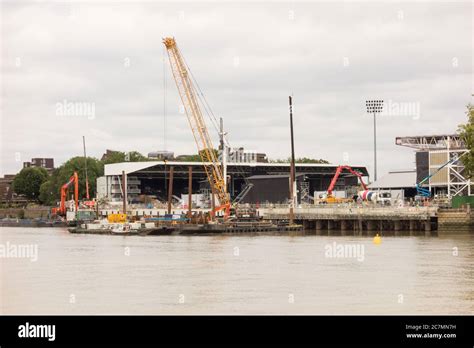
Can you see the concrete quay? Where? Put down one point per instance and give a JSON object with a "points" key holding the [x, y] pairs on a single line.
{"points": [[358, 219]]}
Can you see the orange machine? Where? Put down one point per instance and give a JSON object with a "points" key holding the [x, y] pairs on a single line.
{"points": [[330, 198], [74, 179]]}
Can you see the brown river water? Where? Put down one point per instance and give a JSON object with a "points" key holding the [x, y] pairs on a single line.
{"points": [[233, 274]]}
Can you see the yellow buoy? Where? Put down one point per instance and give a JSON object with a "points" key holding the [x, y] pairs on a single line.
{"points": [[377, 239]]}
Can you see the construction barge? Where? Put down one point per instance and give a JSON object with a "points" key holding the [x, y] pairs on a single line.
{"points": [[122, 232], [237, 227], [147, 229]]}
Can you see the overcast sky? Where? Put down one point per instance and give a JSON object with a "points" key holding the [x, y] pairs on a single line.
{"points": [[247, 59]]}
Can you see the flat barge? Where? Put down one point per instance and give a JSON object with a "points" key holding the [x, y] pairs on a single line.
{"points": [[190, 229], [159, 231], [236, 227]]}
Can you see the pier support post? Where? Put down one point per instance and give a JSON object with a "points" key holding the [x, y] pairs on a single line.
{"points": [[190, 193], [344, 224], [370, 226], [427, 228], [319, 225], [330, 225], [124, 192], [361, 227], [305, 225], [170, 189], [397, 225], [412, 227], [213, 203]]}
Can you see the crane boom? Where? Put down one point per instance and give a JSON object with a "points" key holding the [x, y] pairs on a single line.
{"points": [[74, 179], [198, 126], [336, 176]]}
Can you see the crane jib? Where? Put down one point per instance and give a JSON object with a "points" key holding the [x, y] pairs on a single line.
{"points": [[197, 124]]}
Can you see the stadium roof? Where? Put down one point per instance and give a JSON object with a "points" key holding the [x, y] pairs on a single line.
{"points": [[396, 179], [431, 142], [132, 167]]}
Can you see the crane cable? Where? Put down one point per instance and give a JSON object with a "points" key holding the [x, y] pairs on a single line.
{"points": [[213, 118], [204, 102], [210, 114], [164, 98]]}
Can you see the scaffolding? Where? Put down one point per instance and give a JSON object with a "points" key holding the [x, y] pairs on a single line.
{"points": [[441, 149]]}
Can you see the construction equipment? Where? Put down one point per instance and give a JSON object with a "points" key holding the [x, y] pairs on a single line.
{"points": [[426, 192], [85, 167], [329, 197], [117, 218], [189, 98], [245, 190], [74, 179]]}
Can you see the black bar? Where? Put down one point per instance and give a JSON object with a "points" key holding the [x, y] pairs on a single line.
{"points": [[225, 330]]}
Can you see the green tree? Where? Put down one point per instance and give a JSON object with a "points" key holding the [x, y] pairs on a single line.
{"points": [[118, 156], [310, 160], [28, 182], [196, 157], [466, 132], [299, 160], [50, 190], [48, 193], [61, 175], [188, 158]]}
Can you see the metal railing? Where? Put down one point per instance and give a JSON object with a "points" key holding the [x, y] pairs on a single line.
{"points": [[351, 211]]}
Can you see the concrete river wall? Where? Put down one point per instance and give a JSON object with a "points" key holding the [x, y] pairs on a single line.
{"points": [[359, 219]]}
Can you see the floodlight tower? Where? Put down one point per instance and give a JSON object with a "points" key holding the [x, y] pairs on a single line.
{"points": [[374, 107]]}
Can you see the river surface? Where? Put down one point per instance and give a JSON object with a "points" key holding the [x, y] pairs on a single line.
{"points": [[244, 274]]}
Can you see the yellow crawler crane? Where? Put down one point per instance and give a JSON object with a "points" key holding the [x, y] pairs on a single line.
{"points": [[198, 126]]}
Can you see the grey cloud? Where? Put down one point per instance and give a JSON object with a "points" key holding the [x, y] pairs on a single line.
{"points": [[77, 51]]}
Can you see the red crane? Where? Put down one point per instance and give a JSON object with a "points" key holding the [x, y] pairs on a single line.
{"points": [[74, 179], [336, 176]]}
